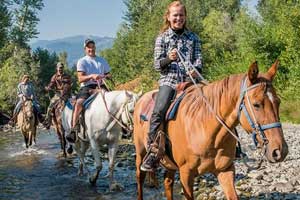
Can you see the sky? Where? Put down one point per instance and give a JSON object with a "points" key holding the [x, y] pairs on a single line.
{"points": [[63, 18]]}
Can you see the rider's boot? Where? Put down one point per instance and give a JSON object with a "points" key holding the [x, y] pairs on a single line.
{"points": [[151, 160], [12, 121], [71, 137]]}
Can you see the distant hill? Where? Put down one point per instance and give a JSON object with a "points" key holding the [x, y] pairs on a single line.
{"points": [[73, 46]]}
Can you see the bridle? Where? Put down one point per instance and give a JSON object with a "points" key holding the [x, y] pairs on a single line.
{"points": [[116, 117], [256, 127]]}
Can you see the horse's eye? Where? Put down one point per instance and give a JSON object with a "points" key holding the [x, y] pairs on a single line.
{"points": [[256, 105]]}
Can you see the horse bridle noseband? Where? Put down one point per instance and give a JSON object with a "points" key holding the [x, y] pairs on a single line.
{"points": [[257, 128]]}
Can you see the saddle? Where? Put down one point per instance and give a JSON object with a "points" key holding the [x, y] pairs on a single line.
{"points": [[171, 113], [163, 148]]}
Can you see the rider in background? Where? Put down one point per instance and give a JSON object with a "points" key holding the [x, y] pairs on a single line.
{"points": [[62, 84], [25, 91], [174, 37], [91, 69]]}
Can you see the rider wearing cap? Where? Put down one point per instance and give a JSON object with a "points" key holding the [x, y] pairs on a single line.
{"points": [[91, 69], [61, 83]]}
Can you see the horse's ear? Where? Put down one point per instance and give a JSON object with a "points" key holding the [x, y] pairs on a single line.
{"points": [[128, 95], [273, 70], [253, 72]]}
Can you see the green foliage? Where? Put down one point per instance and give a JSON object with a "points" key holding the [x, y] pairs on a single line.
{"points": [[232, 38], [10, 74], [5, 18], [25, 21]]}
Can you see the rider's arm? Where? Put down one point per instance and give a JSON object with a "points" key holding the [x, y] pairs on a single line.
{"points": [[19, 91], [51, 84], [160, 54], [197, 57], [82, 77]]}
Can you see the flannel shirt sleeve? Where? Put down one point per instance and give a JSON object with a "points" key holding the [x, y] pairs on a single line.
{"points": [[159, 53], [197, 56]]}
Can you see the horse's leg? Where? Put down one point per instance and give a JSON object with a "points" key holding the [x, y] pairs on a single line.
{"points": [[226, 180], [96, 154], [34, 134], [80, 148], [112, 150], [30, 137], [59, 135], [62, 138], [152, 179], [187, 180], [140, 175], [169, 182], [25, 140]]}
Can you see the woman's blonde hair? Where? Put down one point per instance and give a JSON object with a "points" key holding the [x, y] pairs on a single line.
{"points": [[24, 77], [166, 24]]}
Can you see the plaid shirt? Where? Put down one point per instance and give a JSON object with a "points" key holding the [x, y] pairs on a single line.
{"points": [[188, 44]]}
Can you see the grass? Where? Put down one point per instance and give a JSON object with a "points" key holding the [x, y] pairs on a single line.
{"points": [[290, 112]]}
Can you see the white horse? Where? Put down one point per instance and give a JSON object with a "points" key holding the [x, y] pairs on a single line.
{"points": [[104, 121]]}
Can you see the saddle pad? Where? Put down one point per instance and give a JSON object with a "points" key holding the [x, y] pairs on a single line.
{"points": [[171, 113], [89, 100], [85, 104], [147, 111], [69, 104], [174, 107]]}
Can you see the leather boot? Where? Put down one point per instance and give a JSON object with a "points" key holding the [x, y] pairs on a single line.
{"points": [[151, 160]]}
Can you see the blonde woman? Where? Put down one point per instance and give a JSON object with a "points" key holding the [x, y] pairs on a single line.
{"points": [[25, 91], [174, 37]]}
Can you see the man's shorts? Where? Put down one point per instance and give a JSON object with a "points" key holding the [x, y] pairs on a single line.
{"points": [[86, 91]]}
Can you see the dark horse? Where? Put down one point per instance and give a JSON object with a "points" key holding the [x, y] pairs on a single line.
{"points": [[57, 122], [201, 144]]}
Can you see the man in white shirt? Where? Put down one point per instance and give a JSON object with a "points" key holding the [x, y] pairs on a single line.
{"points": [[90, 70]]}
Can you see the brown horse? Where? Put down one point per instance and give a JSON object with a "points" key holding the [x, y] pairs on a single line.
{"points": [[27, 122], [57, 122], [200, 144]]}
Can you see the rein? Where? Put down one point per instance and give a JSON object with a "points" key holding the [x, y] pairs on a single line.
{"points": [[115, 119]]}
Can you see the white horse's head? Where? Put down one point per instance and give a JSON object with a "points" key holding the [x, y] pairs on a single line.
{"points": [[127, 115]]}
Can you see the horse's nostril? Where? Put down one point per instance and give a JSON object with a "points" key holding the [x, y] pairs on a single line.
{"points": [[276, 154]]}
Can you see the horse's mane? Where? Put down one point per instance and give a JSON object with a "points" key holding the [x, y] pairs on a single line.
{"points": [[216, 93]]}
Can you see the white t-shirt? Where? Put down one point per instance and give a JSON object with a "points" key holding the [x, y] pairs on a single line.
{"points": [[92, 65]]}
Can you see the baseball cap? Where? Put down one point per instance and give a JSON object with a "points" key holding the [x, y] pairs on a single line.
{"points": [[87, 41]]}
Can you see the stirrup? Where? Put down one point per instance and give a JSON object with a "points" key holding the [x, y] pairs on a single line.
{"points": [[150, 162]]}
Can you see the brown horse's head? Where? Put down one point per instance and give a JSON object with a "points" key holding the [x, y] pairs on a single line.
{"points": [[259, 112], [28, 110]]}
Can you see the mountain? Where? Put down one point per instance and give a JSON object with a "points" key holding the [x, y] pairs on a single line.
{"points": [[72, 45]]}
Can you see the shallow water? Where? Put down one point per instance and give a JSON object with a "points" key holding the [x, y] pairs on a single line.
{"points": [[39, 173]]}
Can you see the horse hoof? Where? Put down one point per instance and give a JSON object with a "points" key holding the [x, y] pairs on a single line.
{"points": [[80, 173], [92, 181], [116, 187]]}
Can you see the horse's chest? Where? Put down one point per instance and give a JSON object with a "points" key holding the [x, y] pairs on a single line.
{"points": [[214, 160]]}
